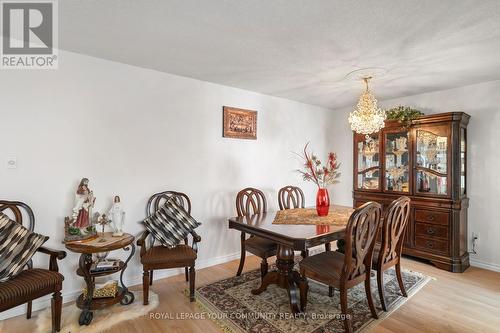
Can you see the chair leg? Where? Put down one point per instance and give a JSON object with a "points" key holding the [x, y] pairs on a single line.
{"points": [[151, 278], [328, 247], [192, 277], [341, 246], [145, 287], [56, 308], [304, 290], [243, 254], [263, 267], [186, 271], [369, 296], [400, 280], [28, 310], [330, 291], [343, 308], [380, 284]]}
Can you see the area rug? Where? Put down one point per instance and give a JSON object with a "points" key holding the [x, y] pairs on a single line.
{"points": [[103, 319], [233, 307]]}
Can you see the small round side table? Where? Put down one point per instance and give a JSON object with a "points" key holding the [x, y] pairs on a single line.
{"points": [[124, 296]]}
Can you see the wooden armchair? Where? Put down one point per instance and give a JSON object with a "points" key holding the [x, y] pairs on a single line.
{"points": [[290, 197], [32, 283], [252, 201], [345, 271], [154, 257], [388, 252]]}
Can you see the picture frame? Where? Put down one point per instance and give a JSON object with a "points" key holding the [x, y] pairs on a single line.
{"points": [[239, 123]]}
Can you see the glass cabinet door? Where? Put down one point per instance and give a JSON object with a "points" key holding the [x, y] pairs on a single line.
{"points": [[397, 173], [432, 161], [463, 160], [368, 168]]}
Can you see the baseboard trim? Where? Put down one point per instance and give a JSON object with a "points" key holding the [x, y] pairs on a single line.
{"points": [[71, 296], [485, 265]]}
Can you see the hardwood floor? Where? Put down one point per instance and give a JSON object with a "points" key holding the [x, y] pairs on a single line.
{"points": [[453, 302]]}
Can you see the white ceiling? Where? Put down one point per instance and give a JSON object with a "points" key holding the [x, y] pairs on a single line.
{"points": [[296, 49]]}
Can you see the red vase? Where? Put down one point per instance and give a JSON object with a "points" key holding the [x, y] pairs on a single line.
{"points": [[322, 202]]}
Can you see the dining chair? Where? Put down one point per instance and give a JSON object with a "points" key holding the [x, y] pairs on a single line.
{"points": [[252, 201], [290, 197], [345, 271], [388, 252], [161, 257], [32, 283]]}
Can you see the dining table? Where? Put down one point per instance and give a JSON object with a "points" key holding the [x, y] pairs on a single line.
{"points": [[292, 230]]}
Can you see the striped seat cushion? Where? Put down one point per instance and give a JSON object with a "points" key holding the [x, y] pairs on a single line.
{"points": [[29, 282], [17, 246], [170, 224]]}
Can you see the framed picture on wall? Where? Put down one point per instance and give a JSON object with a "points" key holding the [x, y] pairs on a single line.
{"points": [[239, 123]]}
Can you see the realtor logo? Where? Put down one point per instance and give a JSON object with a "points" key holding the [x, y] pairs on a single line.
{"points": [[29, 34]]}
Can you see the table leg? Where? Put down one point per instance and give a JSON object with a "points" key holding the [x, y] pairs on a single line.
{"points": [[84, 265], [341, 246], [129, 296], [285, 277]]}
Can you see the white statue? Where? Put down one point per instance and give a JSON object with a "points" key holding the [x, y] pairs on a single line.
{"points": [[117, 216]]}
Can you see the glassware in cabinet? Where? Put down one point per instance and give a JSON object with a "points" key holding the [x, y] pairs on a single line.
{"points": [[397, 174], [432, 162], [368, 157]]}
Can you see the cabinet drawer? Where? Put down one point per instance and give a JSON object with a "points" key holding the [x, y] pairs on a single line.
{"points": [[431, 244], [430, 216], [431, 230]]}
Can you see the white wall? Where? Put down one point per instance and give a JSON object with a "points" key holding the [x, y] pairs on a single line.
{"points": [[482, 102], [134, 132]]}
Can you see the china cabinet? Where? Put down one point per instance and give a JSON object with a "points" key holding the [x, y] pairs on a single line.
{"points": [[426, 162]]}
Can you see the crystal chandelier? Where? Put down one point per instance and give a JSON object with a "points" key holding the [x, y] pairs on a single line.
{"points": [[367, 118]]}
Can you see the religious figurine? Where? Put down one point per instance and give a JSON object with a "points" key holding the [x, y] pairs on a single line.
{"points": [[103, 221], [117, 216], [81, 225], [84, 202]]}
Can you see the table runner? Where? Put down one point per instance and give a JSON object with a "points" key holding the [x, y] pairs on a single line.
{"points": [[336, 216]]}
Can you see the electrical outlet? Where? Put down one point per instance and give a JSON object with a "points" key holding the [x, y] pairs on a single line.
{"points": [[11, 162], [474, 241]]}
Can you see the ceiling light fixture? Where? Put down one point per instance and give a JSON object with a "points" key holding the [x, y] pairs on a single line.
{"points": [[367, 118]]}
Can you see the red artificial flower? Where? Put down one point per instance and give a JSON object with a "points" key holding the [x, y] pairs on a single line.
{"points": [[320, 175]]}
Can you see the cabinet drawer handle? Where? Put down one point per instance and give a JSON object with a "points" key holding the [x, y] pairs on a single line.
{"points": [[429, 244], [430, 217], [431, 231]]}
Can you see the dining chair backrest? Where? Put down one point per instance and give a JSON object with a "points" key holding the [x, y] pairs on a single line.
{"points": [[393, 229], [291, 197], [360, 236], [158, 199], [250, 201], [18, 212], [21, 213]]}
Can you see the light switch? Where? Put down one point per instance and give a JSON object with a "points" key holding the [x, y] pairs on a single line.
{"points": [[12, 162]]}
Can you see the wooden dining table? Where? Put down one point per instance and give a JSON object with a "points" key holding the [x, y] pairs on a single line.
{"points": [[289, 237]]}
